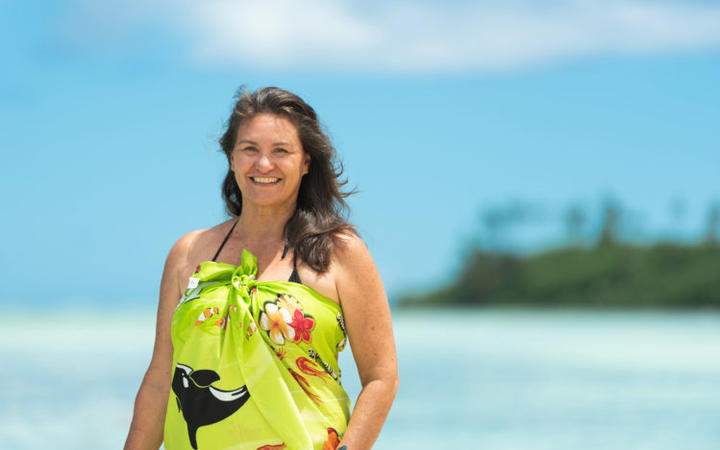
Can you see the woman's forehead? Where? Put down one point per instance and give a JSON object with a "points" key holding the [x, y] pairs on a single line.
{"points": [[267, 127]]}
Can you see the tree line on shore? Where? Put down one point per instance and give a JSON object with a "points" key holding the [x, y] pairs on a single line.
{"points": [[609, 271]]}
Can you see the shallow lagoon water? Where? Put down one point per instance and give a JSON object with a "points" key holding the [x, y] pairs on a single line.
{"points": [[488, 378]]}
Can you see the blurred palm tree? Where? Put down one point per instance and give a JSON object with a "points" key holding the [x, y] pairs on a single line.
{"points": [[713, 225], [678, 212], [497, 221], [575, 218], [610, 228]]}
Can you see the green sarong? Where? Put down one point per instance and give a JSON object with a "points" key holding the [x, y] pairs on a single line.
{"points": [[254, 364]]}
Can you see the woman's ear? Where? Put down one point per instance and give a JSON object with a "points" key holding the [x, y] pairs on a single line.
{"points": [[306, 164]]}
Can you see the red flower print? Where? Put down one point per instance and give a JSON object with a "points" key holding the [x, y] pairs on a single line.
{"points": [[197, 269], [302, 325]]}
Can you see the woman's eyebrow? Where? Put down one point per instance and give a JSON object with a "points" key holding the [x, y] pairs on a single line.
{"points": [[248, 141]]}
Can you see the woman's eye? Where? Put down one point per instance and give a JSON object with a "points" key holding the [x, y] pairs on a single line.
{"points": [[281, 150], [249, 149]]}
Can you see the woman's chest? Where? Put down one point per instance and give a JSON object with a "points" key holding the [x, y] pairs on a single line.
{"points": [[324, 284]]}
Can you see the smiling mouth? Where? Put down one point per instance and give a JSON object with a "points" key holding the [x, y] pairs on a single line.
{"points": [[265, 180]]}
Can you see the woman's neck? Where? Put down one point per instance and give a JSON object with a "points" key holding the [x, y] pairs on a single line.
{"points": [[262, 223]]}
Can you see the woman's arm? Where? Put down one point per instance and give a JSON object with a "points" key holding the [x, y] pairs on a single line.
{"points": [[369, 328], [146, 429]]}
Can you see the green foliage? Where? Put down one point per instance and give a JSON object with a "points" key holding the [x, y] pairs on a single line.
{"points": [[606, 275]]}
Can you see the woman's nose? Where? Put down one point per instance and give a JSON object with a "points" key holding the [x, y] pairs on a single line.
{"points": [[264, 163]]}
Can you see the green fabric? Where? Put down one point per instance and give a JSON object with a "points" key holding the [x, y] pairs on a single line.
{"points": [[270, 347]]}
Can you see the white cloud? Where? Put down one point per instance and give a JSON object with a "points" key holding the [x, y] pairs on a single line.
{"points": [[424, 36]]}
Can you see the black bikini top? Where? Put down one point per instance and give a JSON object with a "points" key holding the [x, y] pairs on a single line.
{"points": [[294, 277]]}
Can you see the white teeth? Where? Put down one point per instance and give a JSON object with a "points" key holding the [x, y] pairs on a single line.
{"points": [[265, 180]]}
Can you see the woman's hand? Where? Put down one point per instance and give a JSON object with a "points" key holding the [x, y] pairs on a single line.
{"points": [[146, 429], [369, 328]]}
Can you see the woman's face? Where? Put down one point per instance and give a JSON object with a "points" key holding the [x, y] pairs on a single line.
{"points": [[268, 160]]}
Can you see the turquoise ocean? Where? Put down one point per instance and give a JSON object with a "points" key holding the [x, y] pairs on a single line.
{"points": [[469, 378]]}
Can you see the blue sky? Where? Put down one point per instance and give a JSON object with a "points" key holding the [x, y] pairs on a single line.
{"points": [[111, 113]]}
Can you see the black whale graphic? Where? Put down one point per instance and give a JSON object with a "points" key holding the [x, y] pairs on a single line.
{"points": [[200, 403]]}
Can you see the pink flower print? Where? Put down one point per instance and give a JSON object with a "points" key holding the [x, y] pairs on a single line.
{"points": [[302, 325]]}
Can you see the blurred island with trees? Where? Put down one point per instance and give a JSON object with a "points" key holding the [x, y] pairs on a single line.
{"points": [[608, 270]]}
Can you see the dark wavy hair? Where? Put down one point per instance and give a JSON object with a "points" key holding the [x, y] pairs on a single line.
{"points": [[320, 213]]}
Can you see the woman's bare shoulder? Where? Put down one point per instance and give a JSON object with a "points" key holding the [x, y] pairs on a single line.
{"points": [[192, 248], [352, 263], [357, 279], [197, 243], [348, 248]]}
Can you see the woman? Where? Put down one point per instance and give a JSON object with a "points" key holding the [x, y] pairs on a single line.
{"points": [[246, 359]]}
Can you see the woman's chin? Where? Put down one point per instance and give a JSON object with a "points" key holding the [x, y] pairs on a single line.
{"points": [[266, 201]]}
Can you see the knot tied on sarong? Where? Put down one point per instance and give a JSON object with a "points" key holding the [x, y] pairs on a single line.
{"points": [[242, 281], [243, 277]]}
